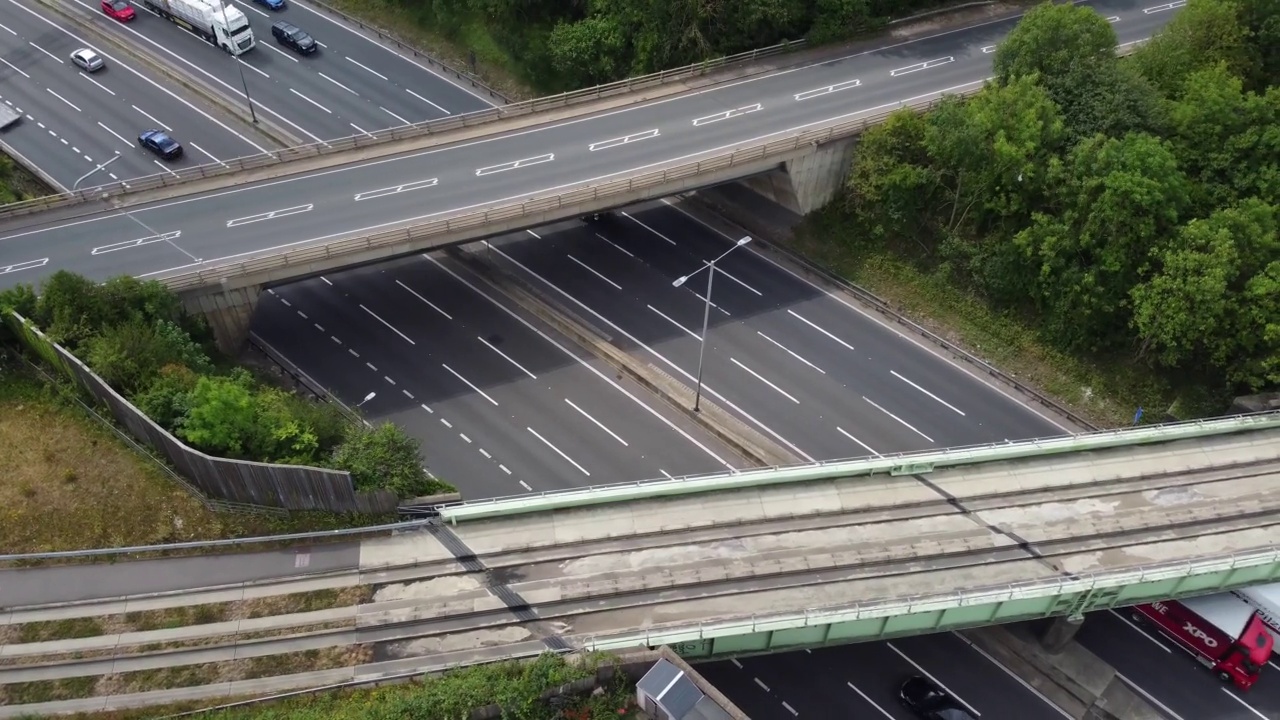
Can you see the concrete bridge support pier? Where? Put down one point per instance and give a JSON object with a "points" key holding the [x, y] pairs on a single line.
{"points": [[808, 182], [1060, 632], [229, 310]]}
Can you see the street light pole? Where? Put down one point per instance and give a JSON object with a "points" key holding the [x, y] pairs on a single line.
{"points": [[82, 177], [706, 313], [239, 65]]}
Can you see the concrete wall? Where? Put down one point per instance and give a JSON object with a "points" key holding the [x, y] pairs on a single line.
{"points": [[809, 181]]}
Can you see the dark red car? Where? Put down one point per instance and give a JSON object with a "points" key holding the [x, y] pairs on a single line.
{"points": [[118, 9]]}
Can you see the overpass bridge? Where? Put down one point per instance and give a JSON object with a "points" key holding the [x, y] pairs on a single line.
{"points": [[763, 560], [220, 240]]}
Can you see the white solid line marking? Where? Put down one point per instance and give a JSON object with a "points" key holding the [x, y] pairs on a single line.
{"points": [[326, 281], [597, 422], [736, 663], [19, 267], [1247, 706], [934, 679], [628, 216], [15, 68], [1166, 6], [668, 476], [736, 112], [297, 210], [663, 359], [926, 392], [446, 112], [807, 94], [593, 271], [375, 72], [428, 302], [726, 274], [1014, 675], [9, 31], [921, 66], [46, 52], [895, 417], [313, 102], [278, 51], [615, 142], [504, 469], [164, 168], [165, 237], [206, 152], [468, 382], [1149, 697], [616, 245], [263, 74], [869, 700], [792, 354], [402, 120], [784, 393], [989, 49], [113, 132], [95, 82], [335, 82], [790, 709], [68, 102], [406, 187], [1156, 641], [761, 684], [152, 119], [1113, 19], [389, 325], [526, 162], [360, 129], [523, 484], [507, 357], [691, 333], [865, 446], [704, 300], [558, 451]]}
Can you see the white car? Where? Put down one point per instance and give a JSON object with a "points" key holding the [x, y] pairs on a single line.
{"points": [[88, 60]]}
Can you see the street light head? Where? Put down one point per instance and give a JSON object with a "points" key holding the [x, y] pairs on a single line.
{"points": [[744, 241], [369, 397], [680, 281]]}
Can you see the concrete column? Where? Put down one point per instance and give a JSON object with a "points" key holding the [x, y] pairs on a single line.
{"points": [[1060, 632], [818, 177], [228, 311]]}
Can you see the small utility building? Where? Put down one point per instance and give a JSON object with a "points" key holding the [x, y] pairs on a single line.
{"points": [[666, 693]]}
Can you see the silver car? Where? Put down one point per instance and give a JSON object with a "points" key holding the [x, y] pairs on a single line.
{"points": [[87, 60]]}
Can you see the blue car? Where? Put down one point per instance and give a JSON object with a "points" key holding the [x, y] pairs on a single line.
{"points": [[161, 144], [271, 4]]}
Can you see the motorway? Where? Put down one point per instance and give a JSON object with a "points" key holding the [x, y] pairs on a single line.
{"points": [[364, 197], [350, 85], [75, 121]]}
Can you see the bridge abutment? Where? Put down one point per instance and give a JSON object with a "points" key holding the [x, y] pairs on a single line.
{"points": [[1060, 632], [808, 182], [229, 310]]}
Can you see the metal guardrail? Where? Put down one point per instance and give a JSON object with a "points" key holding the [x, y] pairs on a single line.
{"points": [[403, 132], [874, 609], [480, 218], [896, 464]]}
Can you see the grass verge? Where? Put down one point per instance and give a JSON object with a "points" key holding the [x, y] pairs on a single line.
{"points": [[1106, 391]]}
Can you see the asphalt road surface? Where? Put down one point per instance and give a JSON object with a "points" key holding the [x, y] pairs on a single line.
{"points": [[861, 681], [502, 404], [365, 197], [349, 86], [74, 121]]}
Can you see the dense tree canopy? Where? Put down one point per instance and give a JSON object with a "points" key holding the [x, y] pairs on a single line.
{"points": [[1130, 205]]}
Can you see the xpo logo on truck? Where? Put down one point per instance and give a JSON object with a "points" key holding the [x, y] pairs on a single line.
{"points": [[1198, 634]]}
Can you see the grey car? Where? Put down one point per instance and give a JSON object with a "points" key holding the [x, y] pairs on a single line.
{"points": [[88, 60]]}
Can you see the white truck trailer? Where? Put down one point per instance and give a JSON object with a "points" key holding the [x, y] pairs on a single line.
{"points": [[223, 25], [8, 116]]}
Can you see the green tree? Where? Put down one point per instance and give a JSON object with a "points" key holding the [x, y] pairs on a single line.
{"points": [[129, 355], [1051, 38], [1116, 201], [71, 310], [384, 457], [222, 417], [281, 435], [1262, 19], [167, 399], [1105, 96], [893, 186], [1214, 302], [839, 19], [1202, 34], [21, 299], [588, 52]]}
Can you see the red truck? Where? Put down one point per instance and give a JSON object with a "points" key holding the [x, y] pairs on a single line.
{"points": [[1223, 632]]}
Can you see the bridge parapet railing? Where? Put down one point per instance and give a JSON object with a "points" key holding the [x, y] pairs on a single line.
{"points": [[402, 132], [540, 205], [921, 461]]}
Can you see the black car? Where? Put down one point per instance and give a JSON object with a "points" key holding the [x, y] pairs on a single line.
{"points": [[927, 701], [161, 144], [293, 36]]}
